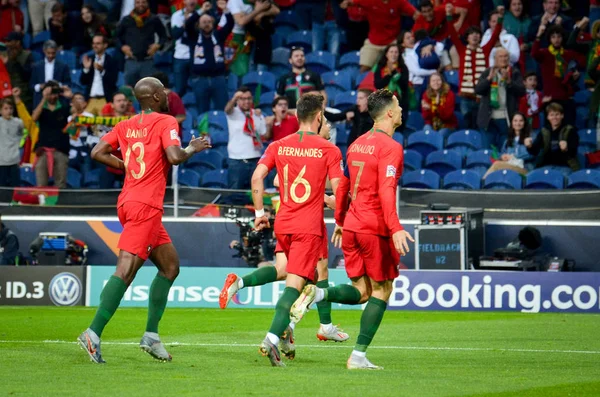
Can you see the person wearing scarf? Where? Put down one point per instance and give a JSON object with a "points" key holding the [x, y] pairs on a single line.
{"points": [[437, 106], [247, 128], [532, 103], [558, 83], [390, 72]]}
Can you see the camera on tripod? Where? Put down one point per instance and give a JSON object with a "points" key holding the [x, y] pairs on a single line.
{"points": [[254, 246]]}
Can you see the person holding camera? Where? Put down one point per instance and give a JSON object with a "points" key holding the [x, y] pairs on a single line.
{"points": [[52, 148]]}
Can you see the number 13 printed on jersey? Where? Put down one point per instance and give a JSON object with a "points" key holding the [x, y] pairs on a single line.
{"points": [[139, 159]]}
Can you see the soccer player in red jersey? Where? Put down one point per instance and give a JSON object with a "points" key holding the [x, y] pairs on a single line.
{"points": [[372, 238], [303, 160], [151, 145]]}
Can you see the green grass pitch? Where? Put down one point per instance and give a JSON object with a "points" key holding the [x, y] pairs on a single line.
{"points": [[216, 353]]}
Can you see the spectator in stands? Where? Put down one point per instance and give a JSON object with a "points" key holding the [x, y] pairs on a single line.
{"points": [[473, 61], [245, 12], [282, 123], [246, 129], [533, 102], [99, 75], [29, 125], [137, 35], [384, 26], [40, 12], [19, 66], [80, 148], [52, 148], [357, 28], [499, 88], [432, 20], [556, 145], [516, 22], [392, 73], [469, 14], [9, 246], [11, 17], [176, 108], [92, 25], [120, 107], [326, 35], [514, 155], [261, 29], [580, 41], [126, 90], [559, 71], [59, 31], [181, 57], [11, 132], [208, 62], [437, 106], [506, 41], [358, 116], [549, 18], [594, 73], [300, 80], [48, 69]]}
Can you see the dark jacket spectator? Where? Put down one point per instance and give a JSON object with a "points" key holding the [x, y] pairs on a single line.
{"points": [[9, 244], [594, 73], [59, 27], [48, 69], [19, 66], [300, 80], [103, 67], [550, 17], [90, 25]]}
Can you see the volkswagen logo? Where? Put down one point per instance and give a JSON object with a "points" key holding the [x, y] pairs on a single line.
{"points": [[65, 289]]}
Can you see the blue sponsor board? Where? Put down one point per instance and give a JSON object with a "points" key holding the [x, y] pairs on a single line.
{"points": [[531, 292]]}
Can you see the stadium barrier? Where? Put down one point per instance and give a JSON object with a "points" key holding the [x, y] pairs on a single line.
{"points": [[42, 285], [529, 292]]}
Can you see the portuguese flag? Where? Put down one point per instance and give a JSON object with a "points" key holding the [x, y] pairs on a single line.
{"points": [[38, 195]]}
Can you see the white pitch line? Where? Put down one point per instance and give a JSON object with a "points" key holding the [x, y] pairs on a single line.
{"points": [[323, 346]]}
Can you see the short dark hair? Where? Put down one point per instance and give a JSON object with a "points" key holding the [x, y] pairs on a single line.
{"points": [[379, 101], [104, 39], [118, 93], [555, 107], [308, 106], [7, 101], [81, 94], [425, 4], [279, 98], [243, 89], [421, 34], [162, 77], [530, 74], [555, 29], [294, 49], [473, 29], [492, 13], [58, 7]]}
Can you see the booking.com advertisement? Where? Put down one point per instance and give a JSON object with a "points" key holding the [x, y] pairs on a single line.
{"points": [[529, 292]]}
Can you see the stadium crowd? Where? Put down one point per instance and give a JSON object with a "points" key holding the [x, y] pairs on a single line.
{"points": [[489, 88]]}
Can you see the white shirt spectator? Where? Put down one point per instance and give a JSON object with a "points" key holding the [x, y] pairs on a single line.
{"points": [[241, 146], [508, 41], [97, 87], [182, 51], [416, 74], [239, 7]]}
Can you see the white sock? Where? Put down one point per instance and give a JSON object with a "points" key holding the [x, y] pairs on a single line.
{"points": [[319, 295], [359, 354], [274, 339], [292, 325], [240, 283], [152, 335], [327, 327]]}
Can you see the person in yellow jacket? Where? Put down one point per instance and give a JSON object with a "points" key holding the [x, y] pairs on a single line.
{"points": [[29, 125]]}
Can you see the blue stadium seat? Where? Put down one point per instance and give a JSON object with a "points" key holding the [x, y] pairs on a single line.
{"points": [[188, 177], [278, 38], [265, 102], [341, 135], [423, 179], [479, 161], [189, 100], [187, 127], [359, 78], [286, 18], [281, 56], [415, 121], [503, 180], [209, 159], [443, 162], [37, 56], [320, 62], [345, 100], [425, 142], [69, 58], [582, 97], [465, 141], [216, 119], [461, 120], [339, 79], [302, 38], [398, 137], [215, 179], [120, 79], [583, 116], [350, 61], [581, 156], [219, 138], [584, 179], [587, 139], [39, 39], [544, 179], [91, 179], [451, 77], [73, 178], [27, 176], [265, 79], [26, 41], [413, 160], [462, 180]]}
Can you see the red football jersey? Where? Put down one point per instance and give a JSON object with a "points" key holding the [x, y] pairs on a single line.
{"points": [[374, 162], [304, 160], [143, 140]]}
